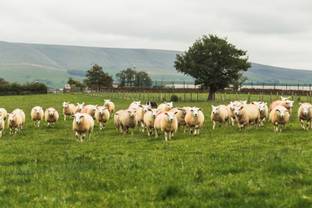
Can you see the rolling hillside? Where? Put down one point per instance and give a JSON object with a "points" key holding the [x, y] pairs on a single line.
{"points": [[53, 64]]}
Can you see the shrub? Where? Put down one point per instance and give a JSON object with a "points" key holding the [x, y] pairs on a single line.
{"points": [[174, 98]]}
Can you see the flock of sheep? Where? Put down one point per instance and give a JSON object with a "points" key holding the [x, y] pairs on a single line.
{"points": [[164, 118], [150, 118], [256, 113]]}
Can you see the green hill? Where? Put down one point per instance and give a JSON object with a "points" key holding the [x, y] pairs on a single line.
{"points": [[53, 64]]}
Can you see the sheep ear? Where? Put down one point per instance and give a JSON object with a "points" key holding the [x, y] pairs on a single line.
{"points": [[166, 114], [241, 107]]}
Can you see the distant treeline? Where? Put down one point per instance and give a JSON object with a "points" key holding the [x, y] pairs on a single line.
{"points": [[7, 88]]}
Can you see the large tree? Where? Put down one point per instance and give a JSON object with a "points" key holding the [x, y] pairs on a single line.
{"points": [[213, 62], [132, 78], [97, 79]]}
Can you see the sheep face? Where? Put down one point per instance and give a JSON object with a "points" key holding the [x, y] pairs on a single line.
{"points": [[215, 110], [280, 113], [170, 116], [238, 110], [131, 113], [195, 111], [80, 106], [106, 102], [305, 110], [65, 104], [78, 118], [51, 112], [289, 103], [11, 118]]}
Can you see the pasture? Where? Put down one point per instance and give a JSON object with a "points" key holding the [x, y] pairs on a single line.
{"points": [[47, 167]]}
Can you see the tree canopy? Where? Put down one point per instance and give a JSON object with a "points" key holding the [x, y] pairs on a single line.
{"points": [[97, 79], [132, 78], [213, 62]]}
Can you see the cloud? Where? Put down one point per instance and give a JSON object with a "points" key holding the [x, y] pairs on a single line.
{"points": [[276, 32]]}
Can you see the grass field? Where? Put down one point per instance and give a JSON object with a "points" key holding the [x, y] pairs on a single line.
{"points": [[47, 167]]}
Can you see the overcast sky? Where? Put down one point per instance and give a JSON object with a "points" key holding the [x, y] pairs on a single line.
{"points": [[275, 32]]}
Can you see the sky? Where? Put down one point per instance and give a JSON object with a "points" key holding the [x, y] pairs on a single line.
{"points": [[274, 32]]}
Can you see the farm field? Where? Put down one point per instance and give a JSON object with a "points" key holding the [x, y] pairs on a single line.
{"points": [[47, 167]]}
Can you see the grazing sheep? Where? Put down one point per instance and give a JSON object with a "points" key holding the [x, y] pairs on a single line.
{"points": [[69, 109], [109, 105], [37, 115], [3, 114], [164, 107], [2, 126], [284, 102], [102, 116], [220, 114], [89, 109], [153, 104], [305, 115], [125, 119], [83, 125], [194, 120], [279, 116], [247, 114], [134, 105], [167, 123], [264, 111], [16, 121], [180, 114], [149, 119], [51, 116], [79, 107]]}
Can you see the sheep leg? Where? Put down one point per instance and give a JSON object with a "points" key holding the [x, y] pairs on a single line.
{"points": [[166, 136], [156, 133], [170, 135], [38, 124], [148, 131], [213, 125], [101, 125], [64, 117], [0, 133]]}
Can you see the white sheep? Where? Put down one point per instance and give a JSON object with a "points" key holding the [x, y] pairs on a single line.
{"points": [[83, 125], [125, 120], [2, 126], [194, 120], [264, 111], [247, 114], [3, 113], [51, 116], [37, 115], [69, 109], [231, 107], [220, 114], [139, 115], [180, 114], [109, 105], [279, 116], [102, 116], [164, 107], [134, 105], [79, 107], [89, 109], [149, 119], [285, 101], [166, 122], [305, 115], [16, 121]]}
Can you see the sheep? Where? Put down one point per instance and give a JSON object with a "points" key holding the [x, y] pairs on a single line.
{"points": [[194, 120], [83, 125], [164, 107], [2, 126], [264, 111], [124, 120], [284, 102], [79, 107], [89, 109], [37, 115], [69, 109], [139, 115], [102, 116], [134, 105], [4, 113], [167, 123], [153, 104], [231, 107], [149, 119], [51, 116], [247, 114], [279, 116], [16, 121], [305, 115], [109, 105], [220, 114], [180, 114]]}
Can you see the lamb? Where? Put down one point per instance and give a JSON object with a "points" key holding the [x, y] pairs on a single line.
{"points": [[89, 109], [149, 119], [51, 116], [247, 114], [305, 115], [3, 113], [194, 120], [279, 116], [167, 123], [164, 107], [83, 125], [124, 120], [284, 102], [109, 105], [220, 114], [264, 111], [2, 126], [16, 121], [102, 116], [37, 115], [69, 109]]}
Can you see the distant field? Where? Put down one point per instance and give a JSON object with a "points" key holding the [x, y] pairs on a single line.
{"points": [[46, 167]]}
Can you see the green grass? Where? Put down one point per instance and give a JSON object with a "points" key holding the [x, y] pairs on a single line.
{"points": [[47, 167]]}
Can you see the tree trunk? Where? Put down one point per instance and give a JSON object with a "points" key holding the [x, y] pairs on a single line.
{"points": [[212, 94]]}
